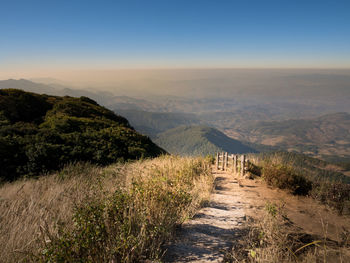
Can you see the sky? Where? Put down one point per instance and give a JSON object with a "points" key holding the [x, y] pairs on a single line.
{"points": [[41, 37]]}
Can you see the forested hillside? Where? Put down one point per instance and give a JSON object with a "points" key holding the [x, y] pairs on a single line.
{"points": [[199, 140], [39, 133]]}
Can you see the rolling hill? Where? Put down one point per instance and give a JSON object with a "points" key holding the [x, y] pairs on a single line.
{"points": [[326, 136], [40, 133], [199, 140]]}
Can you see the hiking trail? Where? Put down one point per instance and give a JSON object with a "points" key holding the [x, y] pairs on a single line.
{"points": [[209, 234]]}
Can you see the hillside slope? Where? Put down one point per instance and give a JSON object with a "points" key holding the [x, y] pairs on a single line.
{"points": [[39, 133], [199, 140], [152, 123]]}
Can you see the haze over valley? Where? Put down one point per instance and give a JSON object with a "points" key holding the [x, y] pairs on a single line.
{"points": [[305, 111]]}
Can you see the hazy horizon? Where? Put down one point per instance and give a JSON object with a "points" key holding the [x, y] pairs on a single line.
{"points": [[256, 50], [110, 79]]}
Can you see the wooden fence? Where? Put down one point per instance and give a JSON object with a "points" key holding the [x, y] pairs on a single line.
{"points": [[232, 162]]}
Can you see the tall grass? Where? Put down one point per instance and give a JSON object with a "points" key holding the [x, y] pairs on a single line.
{"points": [[84, 213]]}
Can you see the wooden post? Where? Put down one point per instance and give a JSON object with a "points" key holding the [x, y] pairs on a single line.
{"points": [[223, 161], [225, 157], [227, 161], [217, 161], [242, 164], [235, 164], [246, 167]]}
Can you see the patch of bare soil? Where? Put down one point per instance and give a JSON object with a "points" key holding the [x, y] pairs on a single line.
{"points": [[308, 215]]}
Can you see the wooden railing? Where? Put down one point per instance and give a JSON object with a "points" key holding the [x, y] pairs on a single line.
{"points": [[232, 162]]}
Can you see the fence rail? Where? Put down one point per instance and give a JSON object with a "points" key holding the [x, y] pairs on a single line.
{"points": [[230, 162]]}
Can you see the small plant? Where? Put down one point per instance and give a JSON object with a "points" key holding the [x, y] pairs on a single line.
{"points": [[271, 209]]}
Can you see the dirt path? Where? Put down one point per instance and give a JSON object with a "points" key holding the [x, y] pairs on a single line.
{"points": [[208, 236]]}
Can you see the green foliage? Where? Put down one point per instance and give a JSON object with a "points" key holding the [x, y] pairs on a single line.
{"points": [[20, 106], [284, 177], [87, 240], [40, 133], [271, 209]]}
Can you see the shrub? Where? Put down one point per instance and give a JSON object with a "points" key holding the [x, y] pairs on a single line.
{"points": [[284, 177]]}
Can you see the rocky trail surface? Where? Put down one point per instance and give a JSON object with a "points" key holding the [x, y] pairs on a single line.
{"points": [[208, 235]]}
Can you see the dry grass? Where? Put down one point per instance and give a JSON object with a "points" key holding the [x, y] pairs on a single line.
{"points": [[28, 204], [273, 238], [39, 216]]}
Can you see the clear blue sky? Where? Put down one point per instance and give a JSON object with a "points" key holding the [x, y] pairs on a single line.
{"points": [[173, 33]]}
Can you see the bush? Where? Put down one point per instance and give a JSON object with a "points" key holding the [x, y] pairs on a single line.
{"points": [[284, 177]]}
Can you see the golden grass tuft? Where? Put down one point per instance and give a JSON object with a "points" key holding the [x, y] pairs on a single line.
{"points": [[40, 216]]}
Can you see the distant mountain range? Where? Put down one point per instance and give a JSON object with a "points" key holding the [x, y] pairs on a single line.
{"points": [[326, 137], [275, 124], [199, 140], [54, 89]]}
